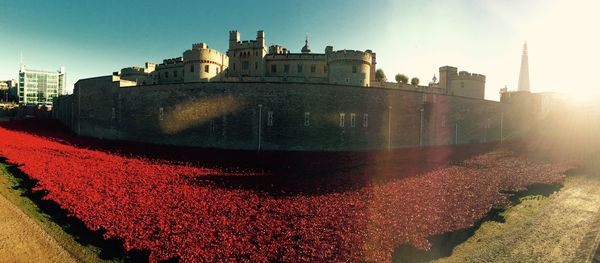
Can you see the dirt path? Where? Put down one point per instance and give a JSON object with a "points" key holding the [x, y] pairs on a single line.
{"points": [[561, 228], [22, 240]]}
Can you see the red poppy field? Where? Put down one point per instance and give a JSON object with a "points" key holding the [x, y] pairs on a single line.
{"points": [[195, 212]]}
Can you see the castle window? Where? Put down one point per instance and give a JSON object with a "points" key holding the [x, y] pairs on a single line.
{"points": [[245, 65], [365, 120], [299, 68], [161, 113], [313, 68], [342, 119], [286, 68], [218, 69], [191, 68], [353, 68], [234, 66], [206, 68], [273, 68], [269, 118], [255, 65], [306, 118], [256, 53], [166, 74], [352, 119], [174, 73]]}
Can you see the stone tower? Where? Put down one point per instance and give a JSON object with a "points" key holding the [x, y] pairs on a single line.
{"points": [[524, 73]]}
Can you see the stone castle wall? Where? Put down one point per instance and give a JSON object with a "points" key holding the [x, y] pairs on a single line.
{"points": [[277, 116]]}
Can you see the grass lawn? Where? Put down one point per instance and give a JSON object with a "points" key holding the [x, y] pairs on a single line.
{"points": [[11, 189]]}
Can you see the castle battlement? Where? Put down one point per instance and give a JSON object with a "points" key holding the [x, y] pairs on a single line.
{"points": [[235, 42], [203, 54], [462, 83], [172, 61], [296, 56], [254, 60], [349, 55], [200, 45], [470, 76]]}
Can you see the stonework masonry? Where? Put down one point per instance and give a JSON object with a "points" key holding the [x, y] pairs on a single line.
{"points": [[252, 60], [278, 116], [259, 97], [462, 83]]}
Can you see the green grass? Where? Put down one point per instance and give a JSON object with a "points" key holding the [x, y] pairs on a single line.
{"points": [[10, 188]]}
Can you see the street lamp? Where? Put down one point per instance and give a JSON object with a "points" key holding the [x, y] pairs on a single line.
{"points": [[421, 110]]}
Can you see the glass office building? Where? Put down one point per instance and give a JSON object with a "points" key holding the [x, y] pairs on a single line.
{"points": [[38, 87]]}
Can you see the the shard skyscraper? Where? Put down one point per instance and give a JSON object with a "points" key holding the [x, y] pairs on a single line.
{"points": [[524, 73]]}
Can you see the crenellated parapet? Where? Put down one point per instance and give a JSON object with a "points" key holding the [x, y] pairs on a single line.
{"points": [[349, 67], [464, 75], [203, 64], [171, 61], [253, 60], [201, 52], [349, 55], [462, 83], [141, 75], [246, 58]]}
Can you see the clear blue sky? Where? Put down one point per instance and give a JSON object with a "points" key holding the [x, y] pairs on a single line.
{"points": [[93, 38]]}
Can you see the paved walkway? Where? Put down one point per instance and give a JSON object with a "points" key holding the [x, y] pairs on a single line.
{"points": [[22, 240], [564, 228]]}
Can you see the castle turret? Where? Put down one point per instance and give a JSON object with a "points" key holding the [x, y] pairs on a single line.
{"points": [[201, 63], [349, 67], [462, 83], [373, 66], [446, 74], [246, 58], [305, 48], [234, 37], [260, 37]]}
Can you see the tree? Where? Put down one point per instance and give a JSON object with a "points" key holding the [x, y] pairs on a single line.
{"points": [[380, 75], [401, 78], [414, 81]]}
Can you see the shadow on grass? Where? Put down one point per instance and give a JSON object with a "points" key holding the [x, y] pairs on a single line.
{"points": [[442, 245], [110, 249]]}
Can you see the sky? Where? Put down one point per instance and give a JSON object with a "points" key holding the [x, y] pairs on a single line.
{"points": [[415, 38]]}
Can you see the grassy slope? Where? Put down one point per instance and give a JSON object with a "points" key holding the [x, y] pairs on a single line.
{"points": [[9, 188]]}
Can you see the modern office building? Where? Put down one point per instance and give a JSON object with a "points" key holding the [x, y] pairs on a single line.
{"points": [[39, 87]]}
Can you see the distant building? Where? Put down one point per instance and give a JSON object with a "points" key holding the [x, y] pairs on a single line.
{"points": [[255, 61], [461, 83], [524, 72], [39, 87], [3, 91], [8, 90], [139, 74], [250, 59]]}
